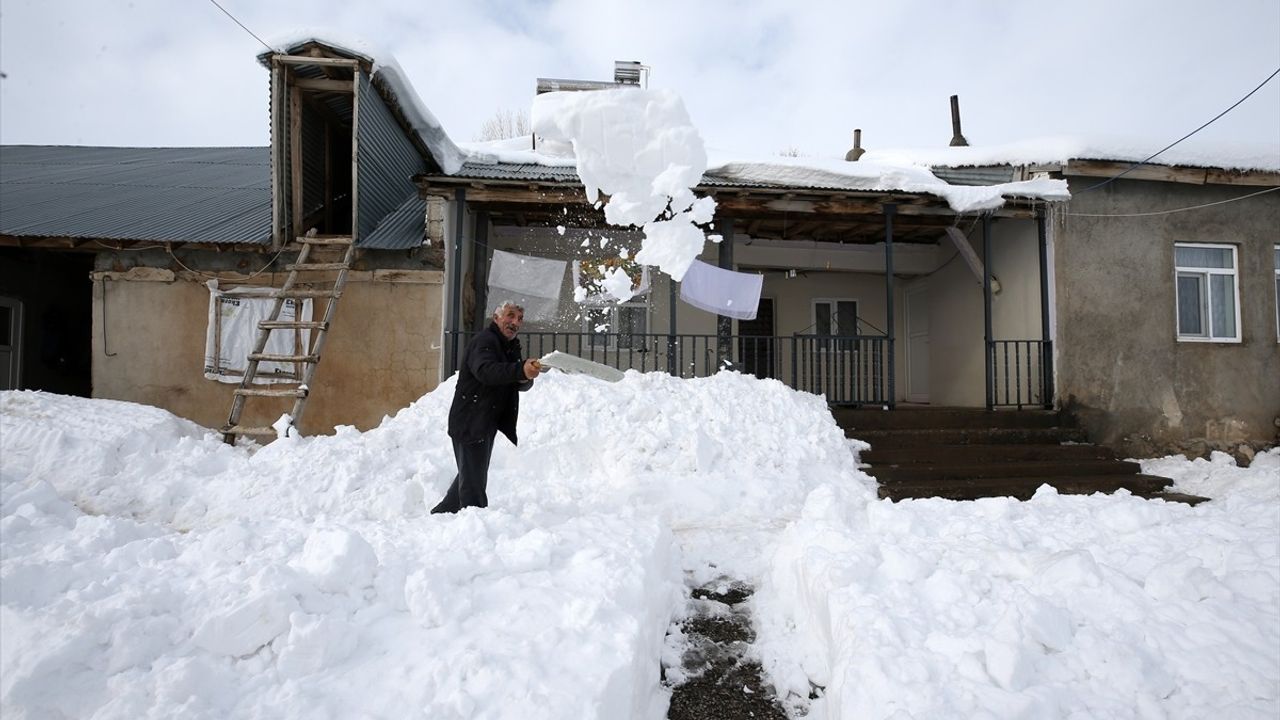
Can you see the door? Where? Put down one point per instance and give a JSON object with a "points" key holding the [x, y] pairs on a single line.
{"points": [[756, 350], [10, 343], [917, 301]]}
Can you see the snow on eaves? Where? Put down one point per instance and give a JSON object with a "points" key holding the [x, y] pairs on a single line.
{"points": [[1062, 149], [387, 73]]}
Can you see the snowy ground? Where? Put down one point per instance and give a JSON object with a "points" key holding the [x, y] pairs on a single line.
{"points": [[150, 571]]}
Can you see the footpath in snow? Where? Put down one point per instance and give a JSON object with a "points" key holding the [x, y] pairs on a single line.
{"points": [[150, 571]]}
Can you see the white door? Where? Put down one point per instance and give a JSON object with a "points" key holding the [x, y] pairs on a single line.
{"points": [[917, 297]]}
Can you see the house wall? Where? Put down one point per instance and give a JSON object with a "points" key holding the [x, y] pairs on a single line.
{"points": [[381, 354], [1121, 370]]}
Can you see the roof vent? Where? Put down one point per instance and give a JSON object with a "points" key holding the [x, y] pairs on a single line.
{"points": [[625, 73], [957, 140], [856, 152]]}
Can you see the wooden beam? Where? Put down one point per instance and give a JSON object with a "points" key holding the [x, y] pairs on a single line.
{"points": [[295, 157], [324, 85], [305, 60], [1216, 176], [1159, 173]]}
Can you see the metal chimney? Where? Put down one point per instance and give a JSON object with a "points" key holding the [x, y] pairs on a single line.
{"points": [[957, 140], [857, 151]]}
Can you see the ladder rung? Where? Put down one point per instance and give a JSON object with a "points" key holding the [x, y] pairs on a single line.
{"points": [[268, 392], [244, 430], [325, 239], [318, 266], [267, 357], [275, 293], [291, 325]]}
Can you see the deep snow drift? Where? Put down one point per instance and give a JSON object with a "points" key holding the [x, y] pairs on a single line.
{"points": [[151, 571]]}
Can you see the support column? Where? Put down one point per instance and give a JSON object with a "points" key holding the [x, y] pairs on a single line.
{"points": [[724, 324], [1046, 339], [480, 272], [988, 348], [454, 325], [890, 210], [671, 327]]}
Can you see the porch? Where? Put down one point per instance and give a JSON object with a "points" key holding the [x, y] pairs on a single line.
{"points": [[853, 281]]}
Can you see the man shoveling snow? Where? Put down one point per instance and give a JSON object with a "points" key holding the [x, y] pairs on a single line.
{"points": [[485, 401]]}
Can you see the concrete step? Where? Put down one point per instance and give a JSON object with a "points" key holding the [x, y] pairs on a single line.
{"points": [[941, 418], [1022, 488], [969, 454], [908, 474], [886, 439]]}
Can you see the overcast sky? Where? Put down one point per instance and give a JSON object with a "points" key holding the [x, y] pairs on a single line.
{"points": [[757, 77]]}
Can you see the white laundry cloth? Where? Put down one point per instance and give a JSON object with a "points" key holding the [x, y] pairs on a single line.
{"points": [[723, 292], [233, 330], [534, 283]]}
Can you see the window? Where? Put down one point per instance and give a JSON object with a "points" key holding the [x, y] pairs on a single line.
{"points": [[619, 327], [834, 317], [1208, 295], [1276, 262]]}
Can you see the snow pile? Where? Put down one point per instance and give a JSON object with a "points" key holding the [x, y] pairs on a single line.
{"points": [[639, 148], [1061, 606], [306, 579]]}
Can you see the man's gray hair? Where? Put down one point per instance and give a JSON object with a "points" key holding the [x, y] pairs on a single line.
{"points": [[506, 304]]}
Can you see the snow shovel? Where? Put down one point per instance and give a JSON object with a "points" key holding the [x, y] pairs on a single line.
{"points": [[574, 365]]}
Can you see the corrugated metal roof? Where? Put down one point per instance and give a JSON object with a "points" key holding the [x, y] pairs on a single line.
{"points": [[402, 229], [211, 195], [388, 161], [533, 172], [992, 175]]}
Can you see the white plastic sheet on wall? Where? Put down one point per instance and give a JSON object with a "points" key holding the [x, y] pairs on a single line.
{"points": [[233, 329]]}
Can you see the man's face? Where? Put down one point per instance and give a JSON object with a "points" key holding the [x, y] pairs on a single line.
{"points": [[509, 320]]}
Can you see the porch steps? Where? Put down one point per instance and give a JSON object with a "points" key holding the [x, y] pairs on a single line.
{"points": [[966, 454]]}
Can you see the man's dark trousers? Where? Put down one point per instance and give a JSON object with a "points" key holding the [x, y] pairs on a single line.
{"points": [[468, 488]]}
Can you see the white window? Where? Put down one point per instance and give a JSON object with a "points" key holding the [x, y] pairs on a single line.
{"points": [[1277, 264], [835, 317], [1208, 293], [620, 327]]}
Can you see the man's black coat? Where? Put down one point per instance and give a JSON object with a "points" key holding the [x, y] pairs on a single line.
{"points": [[486, 398]]}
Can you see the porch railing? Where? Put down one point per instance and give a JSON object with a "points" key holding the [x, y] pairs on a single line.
{"points": [[1021, 373], [848, 370]]}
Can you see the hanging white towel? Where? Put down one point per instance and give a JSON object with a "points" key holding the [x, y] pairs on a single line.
{"points": [[723, 292], [531, 282]]}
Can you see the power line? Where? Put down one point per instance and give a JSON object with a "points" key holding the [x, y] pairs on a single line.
{"points": [[233, 19], [1175, 210], [1136, 165]]}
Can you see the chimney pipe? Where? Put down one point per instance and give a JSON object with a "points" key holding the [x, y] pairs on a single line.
{"points": [[857, 151], [957, 140]]}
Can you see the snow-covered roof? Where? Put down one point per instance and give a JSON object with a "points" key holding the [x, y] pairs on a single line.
{"points": [[392, 82], [1065, 148]]}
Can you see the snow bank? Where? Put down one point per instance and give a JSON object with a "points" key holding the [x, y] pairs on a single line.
{"points": [[1061, 606], [639, 148], [149, 570]]}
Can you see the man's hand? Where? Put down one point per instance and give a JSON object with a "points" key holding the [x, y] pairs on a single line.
{"points": [[531, 369]]}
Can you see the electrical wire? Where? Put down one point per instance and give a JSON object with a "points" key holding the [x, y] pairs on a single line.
{"points": [[215, 277], [1140, 163], [1175, 210], [242, 26]]}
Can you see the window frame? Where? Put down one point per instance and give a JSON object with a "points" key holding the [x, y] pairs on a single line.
{"points": [[613, 334], [834, 302], [1275, 260], [1206, 305]]}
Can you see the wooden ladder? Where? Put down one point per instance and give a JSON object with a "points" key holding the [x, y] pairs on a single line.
{"points": [[310, 357]]}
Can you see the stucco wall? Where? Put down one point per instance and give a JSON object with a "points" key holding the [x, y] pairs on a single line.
{"points": [[1121, 369], [382, 352]]}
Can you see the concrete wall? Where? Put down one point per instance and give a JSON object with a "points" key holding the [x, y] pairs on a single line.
{"points": [[1121, 369], [382, 352]]}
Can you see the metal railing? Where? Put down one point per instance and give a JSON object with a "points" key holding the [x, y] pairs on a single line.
{"points": [[1021, 373], [848, 370]]}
